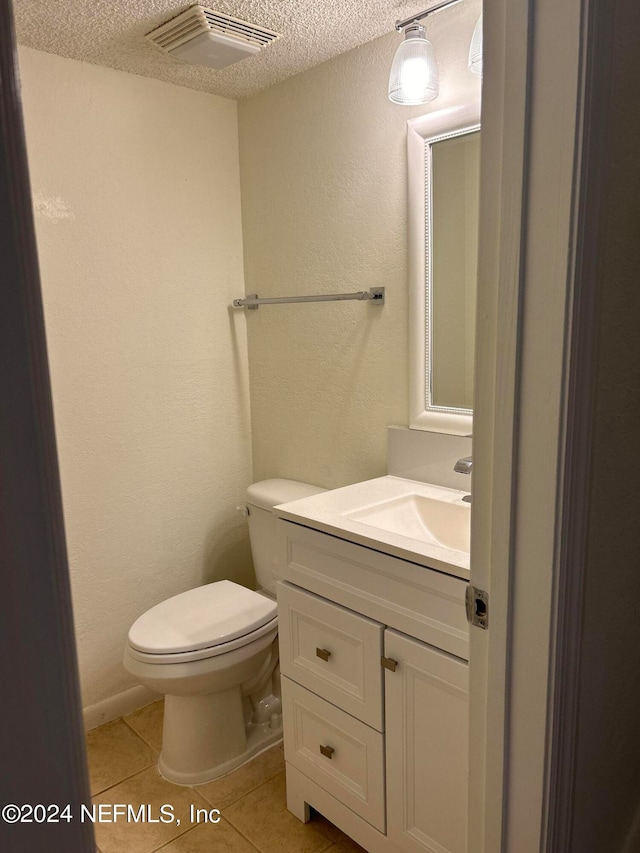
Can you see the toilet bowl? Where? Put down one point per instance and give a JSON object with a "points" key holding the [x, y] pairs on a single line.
{"points": [[213, 652]]}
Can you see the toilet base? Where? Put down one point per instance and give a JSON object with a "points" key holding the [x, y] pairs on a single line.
{"points": [[205, 737]]}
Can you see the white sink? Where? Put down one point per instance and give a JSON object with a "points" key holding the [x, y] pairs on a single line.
{"points": [[419, 517], [421, 522]]}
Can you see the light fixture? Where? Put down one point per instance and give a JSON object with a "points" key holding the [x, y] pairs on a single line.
{"points": [[475, 51], [414, 75]]}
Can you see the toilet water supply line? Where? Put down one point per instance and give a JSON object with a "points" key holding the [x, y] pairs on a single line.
{"points": [[269, 708]]}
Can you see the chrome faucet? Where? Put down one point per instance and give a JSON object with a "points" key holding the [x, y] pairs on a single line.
{"points": [[463, 466]]}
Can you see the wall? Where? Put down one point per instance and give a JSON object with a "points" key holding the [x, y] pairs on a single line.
{"points": [[136, 191], [323, 174]]}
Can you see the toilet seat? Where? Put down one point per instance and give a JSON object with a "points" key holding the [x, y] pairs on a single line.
{"points": [[207, 652], [202, 622]]}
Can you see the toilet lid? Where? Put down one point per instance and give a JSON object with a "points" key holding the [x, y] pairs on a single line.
{"points": [[206, 616]]}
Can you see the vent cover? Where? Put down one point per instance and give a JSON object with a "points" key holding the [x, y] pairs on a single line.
{"points": [[204, 37]]}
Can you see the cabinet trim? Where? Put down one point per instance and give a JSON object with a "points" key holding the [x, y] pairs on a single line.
{"points": [[303, 793]]}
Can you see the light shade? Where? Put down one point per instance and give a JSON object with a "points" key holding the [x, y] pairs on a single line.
{"points": [[475, 51], [215, 50], [414, 75]]}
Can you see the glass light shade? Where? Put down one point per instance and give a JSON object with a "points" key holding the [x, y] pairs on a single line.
{"points": [[475, 51], [414, 75]]}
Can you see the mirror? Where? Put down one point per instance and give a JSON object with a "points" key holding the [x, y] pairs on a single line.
{"points": [[444, 179], [451, 287]]}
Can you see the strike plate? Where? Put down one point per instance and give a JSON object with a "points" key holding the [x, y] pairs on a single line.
{"points": [[477, 605]]}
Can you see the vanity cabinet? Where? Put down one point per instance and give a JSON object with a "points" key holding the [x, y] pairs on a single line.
{"points": [[375, 721]]}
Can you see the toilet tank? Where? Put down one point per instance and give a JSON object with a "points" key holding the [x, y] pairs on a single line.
{"points": [[261, 498]]}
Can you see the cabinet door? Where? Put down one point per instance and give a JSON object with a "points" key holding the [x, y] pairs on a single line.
{"points": [[426, 747]]}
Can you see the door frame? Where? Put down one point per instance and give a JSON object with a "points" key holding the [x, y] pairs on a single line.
{"points": [[41, 737], [548, 69]]}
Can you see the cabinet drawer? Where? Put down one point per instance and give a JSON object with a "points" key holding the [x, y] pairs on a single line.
{"points": [[332, 651], [339, 753], [416, 600]]}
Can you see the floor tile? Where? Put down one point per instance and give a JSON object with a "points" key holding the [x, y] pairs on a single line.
{"points": [[262, 817], [342, 842], [346, 845], [230, 788], [114, 752], [150, 789], [221, 837], [147, 722]]}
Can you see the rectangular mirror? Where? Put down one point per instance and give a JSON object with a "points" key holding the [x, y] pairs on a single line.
{"points": [[452, 221], [444, 178]]}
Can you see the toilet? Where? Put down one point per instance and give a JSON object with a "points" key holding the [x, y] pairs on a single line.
{"points": [[213, 652]]}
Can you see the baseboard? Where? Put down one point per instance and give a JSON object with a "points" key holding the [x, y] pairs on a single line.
{"points": [[117, 706]]}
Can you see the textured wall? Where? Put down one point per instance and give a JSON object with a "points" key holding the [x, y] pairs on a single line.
{"points": [[323, 174], [136, 191]]}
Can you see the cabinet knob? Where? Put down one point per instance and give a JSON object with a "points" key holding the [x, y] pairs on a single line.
{"points": [[327, 751], [323, 653], [389, 663]]}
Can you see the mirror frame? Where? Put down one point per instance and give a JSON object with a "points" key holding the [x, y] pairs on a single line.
{"points": [[422, 132]]}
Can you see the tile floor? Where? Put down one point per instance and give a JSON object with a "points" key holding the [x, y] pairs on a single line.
{"points": [[122, 767]]}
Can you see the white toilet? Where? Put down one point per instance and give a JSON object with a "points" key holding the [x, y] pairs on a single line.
{"points": [[213, 652]]}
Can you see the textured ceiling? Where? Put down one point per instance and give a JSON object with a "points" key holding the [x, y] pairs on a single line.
{"points": [[111, 33]]}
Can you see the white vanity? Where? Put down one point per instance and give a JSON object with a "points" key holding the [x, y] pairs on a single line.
{"points": [[374, 651]]}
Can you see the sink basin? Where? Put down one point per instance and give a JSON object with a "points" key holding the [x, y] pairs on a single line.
{"points": [[422, 522], [419, 517]]}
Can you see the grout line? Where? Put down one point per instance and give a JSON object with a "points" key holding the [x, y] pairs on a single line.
{"points": [[124, 779], [245, 837], [184, 831], [196, 793], [240, 796], [175, 838], [246, 793], [140, 769], [137, 734], [331, 842], [193, 828], [171, 840]]}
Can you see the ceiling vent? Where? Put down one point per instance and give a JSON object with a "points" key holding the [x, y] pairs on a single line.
{"points": [[204, 37]]}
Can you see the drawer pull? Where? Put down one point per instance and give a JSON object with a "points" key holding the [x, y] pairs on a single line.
{"points": [[323, 653], [327, 751], [389, 663]]}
